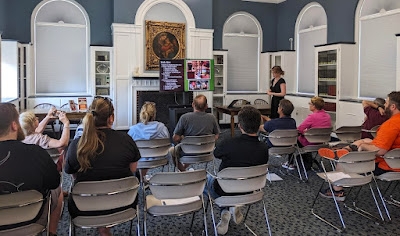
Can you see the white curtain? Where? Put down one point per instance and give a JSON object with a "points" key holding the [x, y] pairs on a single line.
{"points": [[377, 71], [243, 60]]}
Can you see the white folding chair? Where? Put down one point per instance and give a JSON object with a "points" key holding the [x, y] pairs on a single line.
{"points": [[319, 138], [197, 149], [102, 196], [55, 153], [392, 158], [176, 194], [348, 134], [372, 131], [355, 169], [245, 186], [284, 143], [20, 207]]}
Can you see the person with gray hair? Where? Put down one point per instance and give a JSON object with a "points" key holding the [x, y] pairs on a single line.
{"points": [[374, 115]]}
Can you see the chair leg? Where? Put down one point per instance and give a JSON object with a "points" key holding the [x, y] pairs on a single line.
{"points": [[266, 218], [204, 215], [191, 223], [137, 220], [212, 213], [337, 209]]}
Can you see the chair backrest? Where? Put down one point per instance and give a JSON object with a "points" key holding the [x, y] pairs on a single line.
{"points": [[392, 158], [105, 194], [260, 101], [20, 207], [318, 135], [55, 153], [349, 133], [358, 162], [242, 179], [372, 131], [153, 147], [198, 144], [175, 185], [283, 137], [238, 103], [44, 106]]}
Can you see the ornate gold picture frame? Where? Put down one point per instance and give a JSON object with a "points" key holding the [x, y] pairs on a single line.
{"points": [[164, 40]]}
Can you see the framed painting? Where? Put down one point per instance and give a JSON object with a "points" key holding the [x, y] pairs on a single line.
{"points": [[164, 40]]}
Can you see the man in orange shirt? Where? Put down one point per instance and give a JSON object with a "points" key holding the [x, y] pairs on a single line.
{"points": [[387, 138]]}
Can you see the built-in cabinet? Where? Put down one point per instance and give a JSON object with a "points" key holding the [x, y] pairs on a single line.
{"points": [[220, 81], [336, 77], [101, 68], [23, 74]]}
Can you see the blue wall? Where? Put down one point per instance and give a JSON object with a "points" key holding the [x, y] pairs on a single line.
{"points": [[265, 14], [277, 20], [340, 14], [18, 24], [125, 10]]}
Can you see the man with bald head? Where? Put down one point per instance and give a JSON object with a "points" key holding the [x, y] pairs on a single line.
{"points": [[24, 166], [194, 123]]}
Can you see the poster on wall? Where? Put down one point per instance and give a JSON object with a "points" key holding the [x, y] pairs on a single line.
{"points": [[171, 75], [164, 40]]}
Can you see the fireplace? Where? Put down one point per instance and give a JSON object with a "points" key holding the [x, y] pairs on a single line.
{"points": [[164, 101]]}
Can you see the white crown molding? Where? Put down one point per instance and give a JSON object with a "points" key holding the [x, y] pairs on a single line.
{"points": [[265, 1]]}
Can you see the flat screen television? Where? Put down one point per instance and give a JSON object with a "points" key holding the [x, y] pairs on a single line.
{"points": [[179, 75], [199, 75], [172, 75]]}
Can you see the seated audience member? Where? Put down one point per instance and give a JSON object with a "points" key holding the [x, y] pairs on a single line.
{"points": [[374, 115], [148, 128], [317, 119], [387, 138], [23, 166], [101, 153], [234, 152], [33, 131], [194, 123], [284, 121]]}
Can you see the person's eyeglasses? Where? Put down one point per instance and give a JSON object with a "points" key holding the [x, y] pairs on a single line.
{"points": [[310, 103], [108, 100], [105, 98]]}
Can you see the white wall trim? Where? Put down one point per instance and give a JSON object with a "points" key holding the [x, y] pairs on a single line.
{"points": [[182, 6]]}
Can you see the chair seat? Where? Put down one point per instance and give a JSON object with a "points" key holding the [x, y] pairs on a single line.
{"points": [[158, 207], [31, 229], [346, 179], [226, 201], [197, 159], [389, 176], [149, 163], [105, 220], [313, 147], [281, 150]]}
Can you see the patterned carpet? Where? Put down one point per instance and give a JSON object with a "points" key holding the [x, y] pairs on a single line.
{"points": [[288, 206]]}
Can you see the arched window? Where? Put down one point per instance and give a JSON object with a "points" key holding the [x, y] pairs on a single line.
{"points": [[61, 40], [375, 35], [242, 37], [310, 30]]}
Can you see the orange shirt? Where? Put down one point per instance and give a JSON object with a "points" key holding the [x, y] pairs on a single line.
{"points": [[388, 138]]}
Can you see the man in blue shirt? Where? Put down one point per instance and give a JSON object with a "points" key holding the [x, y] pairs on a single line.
{"points": [[284, 121]]}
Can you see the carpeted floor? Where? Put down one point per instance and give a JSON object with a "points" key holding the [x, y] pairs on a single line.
{"points": [[288, 206]]}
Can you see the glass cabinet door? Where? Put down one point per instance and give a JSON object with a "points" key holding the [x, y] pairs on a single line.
{"points": [[102, 73], [327, 73]]}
